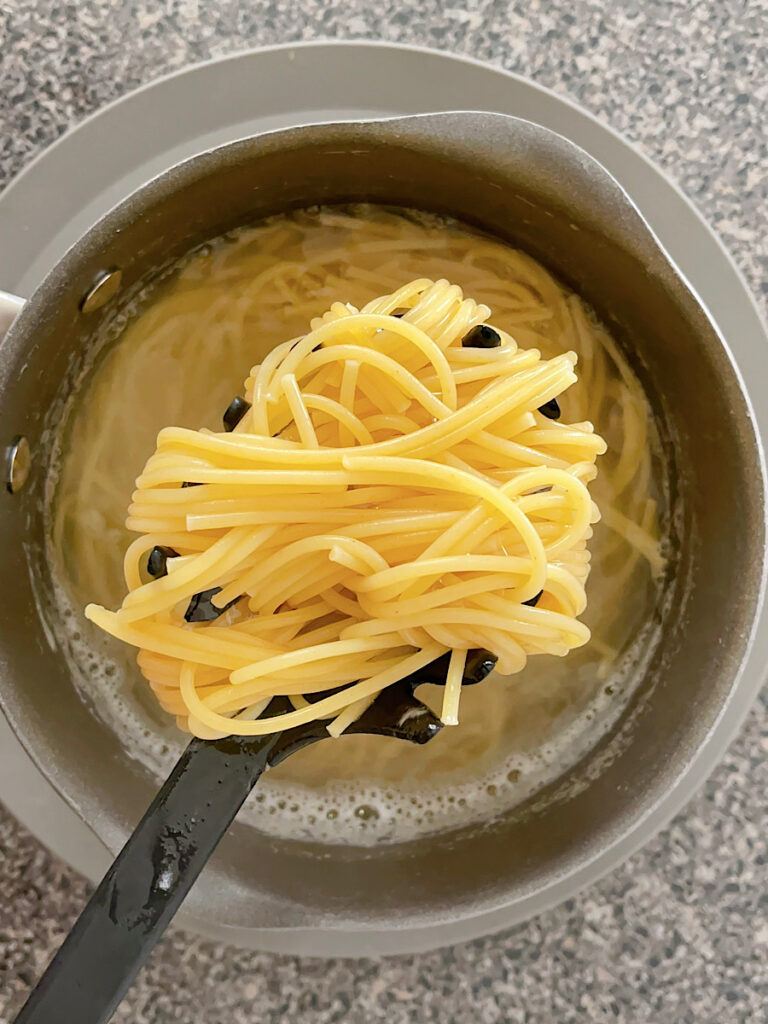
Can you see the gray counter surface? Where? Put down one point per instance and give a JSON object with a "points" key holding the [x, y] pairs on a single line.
{"points": [[680, 932]]}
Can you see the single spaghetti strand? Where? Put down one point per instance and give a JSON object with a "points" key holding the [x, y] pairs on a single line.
{"points": [[450, 711]]}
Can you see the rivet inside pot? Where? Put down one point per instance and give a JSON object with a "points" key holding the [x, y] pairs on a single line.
{"points": [[105, 286], [18, 462]]}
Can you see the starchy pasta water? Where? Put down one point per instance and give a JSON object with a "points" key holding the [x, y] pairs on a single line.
{"points": [[390, 492]]}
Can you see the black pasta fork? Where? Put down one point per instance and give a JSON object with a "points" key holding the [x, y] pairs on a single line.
{"points": [[152, 874]]}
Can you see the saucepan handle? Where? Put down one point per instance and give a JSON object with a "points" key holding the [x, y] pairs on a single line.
{"points": [[10, 306]]}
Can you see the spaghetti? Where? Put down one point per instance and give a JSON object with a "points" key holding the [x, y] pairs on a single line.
{"points": [[396, 488]]}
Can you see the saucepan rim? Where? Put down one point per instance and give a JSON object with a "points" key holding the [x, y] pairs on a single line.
{"points": [[744, 685]]}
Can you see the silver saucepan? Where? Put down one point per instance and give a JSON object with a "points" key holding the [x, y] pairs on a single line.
{"points": [[529, 186]]}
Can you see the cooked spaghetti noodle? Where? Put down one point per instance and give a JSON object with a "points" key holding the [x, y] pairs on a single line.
{"points": [[394, 491]]}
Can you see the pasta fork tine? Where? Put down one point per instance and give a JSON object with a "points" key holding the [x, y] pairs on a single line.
{"points": [[396, 712], [399, 713]]}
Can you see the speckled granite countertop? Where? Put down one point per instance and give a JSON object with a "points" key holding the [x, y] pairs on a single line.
{"points": [[680, 932]]}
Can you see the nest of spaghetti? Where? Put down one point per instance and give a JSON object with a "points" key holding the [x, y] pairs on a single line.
{"points": [[394, 486]]}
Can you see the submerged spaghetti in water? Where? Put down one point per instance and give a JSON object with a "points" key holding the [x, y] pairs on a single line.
{"points": [[179, 361]]}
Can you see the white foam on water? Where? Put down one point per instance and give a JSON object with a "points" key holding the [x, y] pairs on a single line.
{"points": [[360, 813]]}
